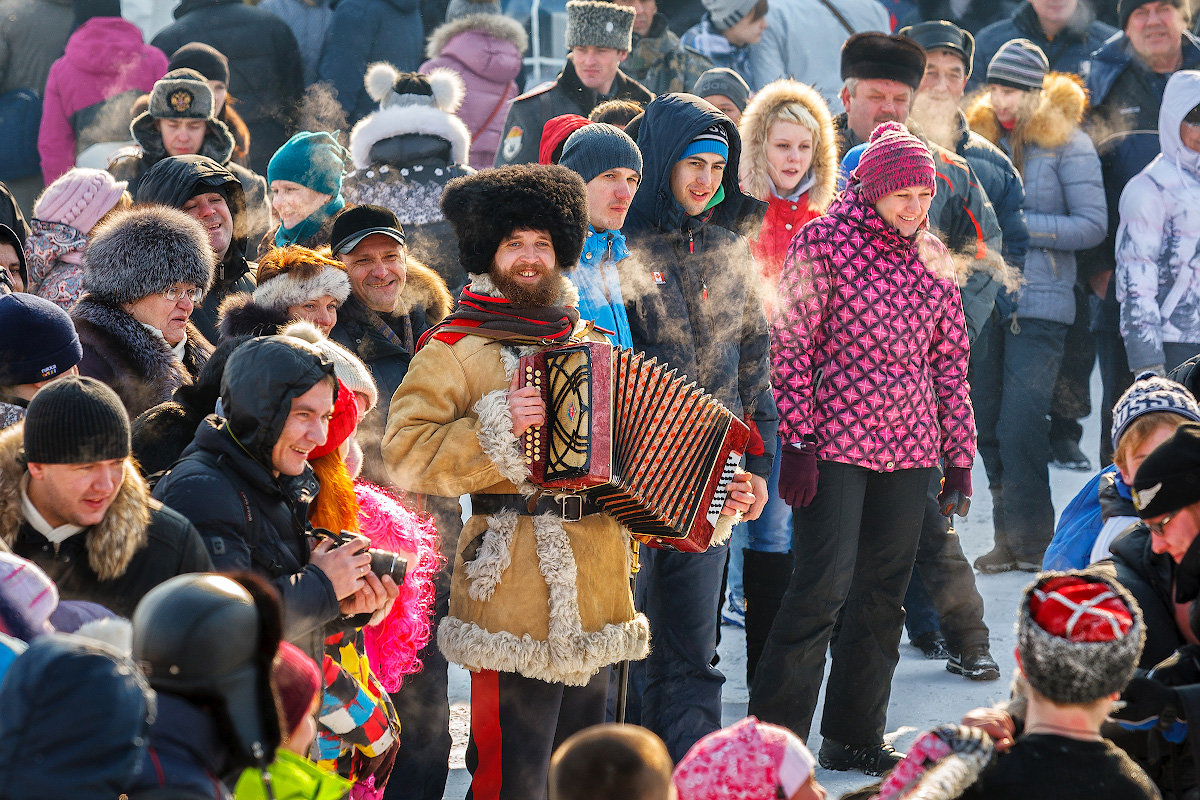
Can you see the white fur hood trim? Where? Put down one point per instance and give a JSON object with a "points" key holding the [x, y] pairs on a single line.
{"points": [[399, 120]]}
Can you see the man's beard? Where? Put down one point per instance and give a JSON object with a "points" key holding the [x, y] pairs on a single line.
{"points": [[545, 292], [937, 119]]}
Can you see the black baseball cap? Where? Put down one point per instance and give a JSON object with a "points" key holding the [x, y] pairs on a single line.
{"points": [[353, 224], [939, 33]]}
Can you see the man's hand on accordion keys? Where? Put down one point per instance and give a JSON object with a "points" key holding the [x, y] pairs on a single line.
{"points": [[526, 406], [746, 495]]}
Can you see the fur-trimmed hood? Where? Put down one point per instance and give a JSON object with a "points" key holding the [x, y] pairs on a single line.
{"points": [[408, 120], [113, 543], [754, 128], [424, 288], [218, 142], [1059, 112], [239, 315], [495, 26]]}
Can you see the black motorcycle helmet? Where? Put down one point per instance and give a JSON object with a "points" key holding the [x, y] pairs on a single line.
{"points": [[211, 639]]}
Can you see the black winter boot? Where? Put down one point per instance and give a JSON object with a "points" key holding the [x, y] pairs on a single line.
{"points": [[765, 578]]}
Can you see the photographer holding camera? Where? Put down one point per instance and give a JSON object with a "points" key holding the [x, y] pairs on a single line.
{"points": [[246, 484]]}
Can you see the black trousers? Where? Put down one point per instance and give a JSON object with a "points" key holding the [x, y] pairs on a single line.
{"points": [[516, 725], [942, 594], [855, 545]]}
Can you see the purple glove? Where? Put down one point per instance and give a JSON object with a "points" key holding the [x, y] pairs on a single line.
{"points": [[798, 474], [955, 497]]}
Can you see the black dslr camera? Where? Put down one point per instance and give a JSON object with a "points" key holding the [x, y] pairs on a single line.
{"points": [[383, 562]]}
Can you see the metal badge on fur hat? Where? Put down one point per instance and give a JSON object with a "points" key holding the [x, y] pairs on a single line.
{"points": [[486, 207], [442, 88], [181, 94], [599, 24], [144, 251], [1079, 636]]}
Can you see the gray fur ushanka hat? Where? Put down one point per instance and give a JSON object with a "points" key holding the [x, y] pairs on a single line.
{"points": [[144, 251], [486, 207]]}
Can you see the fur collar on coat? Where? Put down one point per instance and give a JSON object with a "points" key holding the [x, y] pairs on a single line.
{"points": [[143, 369], [1059, 112], [113, 543], [754, 129]]}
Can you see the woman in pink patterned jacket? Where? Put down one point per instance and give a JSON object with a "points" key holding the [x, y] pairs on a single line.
{"points": [[869, 356]]}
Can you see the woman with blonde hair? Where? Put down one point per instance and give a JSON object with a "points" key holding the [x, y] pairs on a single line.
{"points": [[789, 160]]}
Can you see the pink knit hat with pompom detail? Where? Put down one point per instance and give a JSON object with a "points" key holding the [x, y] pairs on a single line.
{"points": [[80, 197], [749, 760], [894, 160]]}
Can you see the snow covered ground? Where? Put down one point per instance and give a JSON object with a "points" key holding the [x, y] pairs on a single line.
{"points": [[924, 694]]}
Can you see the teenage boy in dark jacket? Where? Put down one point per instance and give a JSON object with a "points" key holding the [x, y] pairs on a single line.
{"points": [[693, 303]]}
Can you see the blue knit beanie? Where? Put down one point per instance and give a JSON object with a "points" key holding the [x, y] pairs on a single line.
{"points": [[37, 340], [599, 147], [312, 159]]}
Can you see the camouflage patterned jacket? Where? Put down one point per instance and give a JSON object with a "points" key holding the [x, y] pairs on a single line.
{"points": [[661, 64]]}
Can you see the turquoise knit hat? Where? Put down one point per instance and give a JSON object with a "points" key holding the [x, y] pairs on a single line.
{"points": [[312, 159]]}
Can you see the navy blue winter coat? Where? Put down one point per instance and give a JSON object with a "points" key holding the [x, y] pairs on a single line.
{"points": [[1069, 52], [361, 33]]}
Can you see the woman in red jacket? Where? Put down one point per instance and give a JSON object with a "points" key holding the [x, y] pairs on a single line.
{"points": [[869, 363]]}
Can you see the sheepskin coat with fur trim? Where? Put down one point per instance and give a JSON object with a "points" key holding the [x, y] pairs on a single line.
{"points": [[785, 216], [485, 50], [1065, 208], [537, 596], [137, 364], [139, 544]]}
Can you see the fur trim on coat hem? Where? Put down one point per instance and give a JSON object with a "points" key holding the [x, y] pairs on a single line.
{"points": [[494, 557]]}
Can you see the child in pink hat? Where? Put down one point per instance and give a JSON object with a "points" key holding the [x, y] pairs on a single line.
{"points": [[749, 760]]}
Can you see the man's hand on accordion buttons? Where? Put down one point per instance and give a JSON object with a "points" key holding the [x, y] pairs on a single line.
{"points": [[526, 406], [798, 473], [746, 495]]}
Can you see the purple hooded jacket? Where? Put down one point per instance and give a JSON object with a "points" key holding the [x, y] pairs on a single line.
{"points": [[485, 49]]}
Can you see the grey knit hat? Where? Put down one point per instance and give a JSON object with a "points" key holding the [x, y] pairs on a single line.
{"points": [[727, 13], [723, 81], [1150, 393], [598, 23], [75, 420], [181, 94], [147, 250], [1079, 636], [465, 8], [1020, 64], [599, 147]]}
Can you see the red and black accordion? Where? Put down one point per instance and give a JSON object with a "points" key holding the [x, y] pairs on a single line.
{"points": [[649, 447]]}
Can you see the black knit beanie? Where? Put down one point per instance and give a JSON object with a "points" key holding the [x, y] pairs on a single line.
{"points": [[75, 420]]}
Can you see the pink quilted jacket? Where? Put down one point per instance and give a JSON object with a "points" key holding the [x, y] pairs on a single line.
{"points": [[869, 349]]}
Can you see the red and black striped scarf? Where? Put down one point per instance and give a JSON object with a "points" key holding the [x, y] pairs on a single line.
{"points": [[487, 314]]}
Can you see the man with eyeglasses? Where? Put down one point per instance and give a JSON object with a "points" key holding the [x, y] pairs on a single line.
{"points": [[1163, 575]]}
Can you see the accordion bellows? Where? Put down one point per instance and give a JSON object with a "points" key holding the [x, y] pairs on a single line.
{"points": [[649, 447]]}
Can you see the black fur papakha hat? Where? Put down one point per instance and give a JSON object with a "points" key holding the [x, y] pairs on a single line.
{"points": [[486, 207], [144, 251], [869, 56]]}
